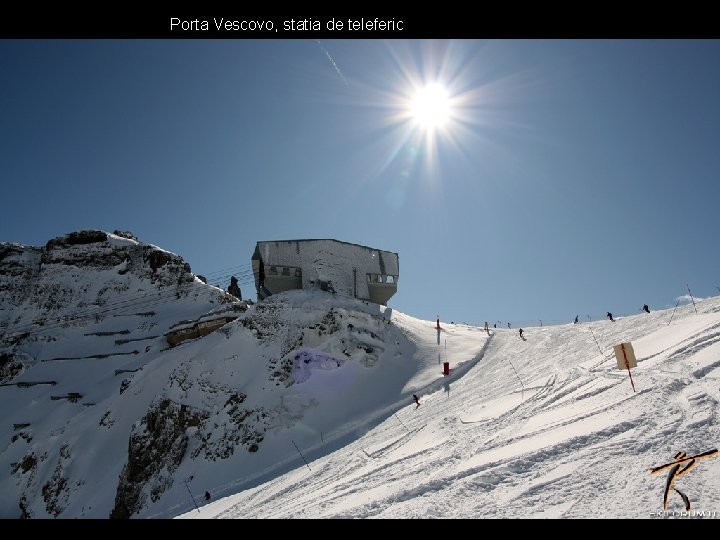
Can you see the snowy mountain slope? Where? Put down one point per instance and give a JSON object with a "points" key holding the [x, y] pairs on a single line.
{"points": [[83, 316], [349, 367], [302, 406], [542, 427], [102, 418]]}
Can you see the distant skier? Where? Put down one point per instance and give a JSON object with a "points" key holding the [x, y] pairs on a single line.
{"points": [[646, 309], [609, 316], [207, 495], [576, 319], [521, 334], [417, 401], [486, 328], [508, 325]]}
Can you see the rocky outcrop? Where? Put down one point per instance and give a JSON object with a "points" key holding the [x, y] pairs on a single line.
{"points": [[157, 445], [234, 427], [125, 234], [55, 491], [10, 367], [99, 250], [43, 280], [104, 300], [19, 266], [76, 238]]}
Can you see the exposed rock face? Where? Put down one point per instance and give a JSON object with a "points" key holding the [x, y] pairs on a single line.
{"points": [[101, 301], [235, 426], [156, 448], [55, 491], [10, 367], [97, 249], [125, 234], [23, 267], [76, 238], [37, 277], [19, 266], [79, 273], [17, 261]]}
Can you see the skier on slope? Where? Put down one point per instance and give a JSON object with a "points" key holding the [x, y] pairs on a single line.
{"points": [[417, 401], [609, 316], [646, 309], [521, 334]]}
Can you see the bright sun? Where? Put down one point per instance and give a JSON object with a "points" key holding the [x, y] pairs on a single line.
{"points": [[430, 108]]}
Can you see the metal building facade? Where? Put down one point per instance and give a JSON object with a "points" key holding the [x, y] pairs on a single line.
{"points": [[340, 267]]}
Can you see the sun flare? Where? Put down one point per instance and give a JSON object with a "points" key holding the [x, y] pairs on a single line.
{"points": [[430, 107]]}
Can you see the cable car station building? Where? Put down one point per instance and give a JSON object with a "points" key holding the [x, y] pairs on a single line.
{"points": [[348, 269]]}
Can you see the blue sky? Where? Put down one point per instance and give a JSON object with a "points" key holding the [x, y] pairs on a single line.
{"points": [[574, 177]]}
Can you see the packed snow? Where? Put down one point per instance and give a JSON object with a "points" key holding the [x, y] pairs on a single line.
{"points": [[545, 427]]}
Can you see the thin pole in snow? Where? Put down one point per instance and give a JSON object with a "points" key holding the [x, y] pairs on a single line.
{"points": [[596, 341], [519, 379], [403, 425], [691, 298], [631, 381], [299, 452], [673, 313], [191, 496]]}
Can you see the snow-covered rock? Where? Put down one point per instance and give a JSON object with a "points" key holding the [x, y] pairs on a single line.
{"points": [[101, 417]]}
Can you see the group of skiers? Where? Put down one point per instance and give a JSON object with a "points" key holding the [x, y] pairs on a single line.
{"points": [[645, 308], [486, 328], [609, 315]]}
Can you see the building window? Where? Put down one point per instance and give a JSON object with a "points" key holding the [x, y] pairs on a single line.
{"points": [[390, 279], [273, 270], [297, 273], [286, 271]]}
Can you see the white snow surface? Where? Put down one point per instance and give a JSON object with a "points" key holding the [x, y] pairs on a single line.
{"points": [[545, 427]]}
